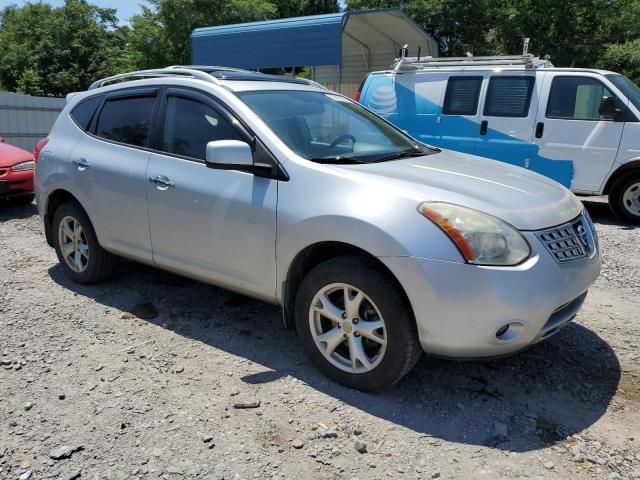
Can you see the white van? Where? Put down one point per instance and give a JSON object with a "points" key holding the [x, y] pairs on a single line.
{"points": [[578, 126]]}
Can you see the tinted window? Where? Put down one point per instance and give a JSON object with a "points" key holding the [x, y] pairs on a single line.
{"points": [[83, 112], [576, 98], [126, 120], [190, 125], [462, 95], [509, 96], [630, 89]]}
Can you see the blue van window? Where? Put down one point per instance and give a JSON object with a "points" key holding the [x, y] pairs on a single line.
{"points": [[509, 96], [461, 97]]}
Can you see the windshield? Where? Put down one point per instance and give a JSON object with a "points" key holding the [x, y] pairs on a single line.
{"points": [[630, 89], [329, 128]]}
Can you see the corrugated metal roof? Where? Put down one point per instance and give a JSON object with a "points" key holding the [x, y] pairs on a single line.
{"points": [[301, 41], [313, 40]]}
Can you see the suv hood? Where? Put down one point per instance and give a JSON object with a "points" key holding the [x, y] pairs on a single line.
{"points": [[525, 199]]}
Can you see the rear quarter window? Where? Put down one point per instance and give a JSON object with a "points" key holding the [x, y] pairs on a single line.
{"points": [[461, 97], [83, 113]]}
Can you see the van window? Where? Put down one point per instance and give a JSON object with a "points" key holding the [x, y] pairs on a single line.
{"points": [[461, 97], [509, 96], [83, 112], [126, 120], [189, 125], [576, 98]]}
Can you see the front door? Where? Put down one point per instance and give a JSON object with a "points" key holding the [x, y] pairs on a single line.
{"points": [[216, 225], [577, 146]]}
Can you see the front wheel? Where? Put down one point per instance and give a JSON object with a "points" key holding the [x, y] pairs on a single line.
{"points": [[355, 325], [624, 198], [77, 247]]}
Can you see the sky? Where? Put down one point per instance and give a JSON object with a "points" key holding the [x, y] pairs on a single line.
{"points": [[126, 8]]}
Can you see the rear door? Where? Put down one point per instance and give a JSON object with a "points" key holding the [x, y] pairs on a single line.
{"points": [[506, 124], [109, 164], [576, 145], [459, 117]]}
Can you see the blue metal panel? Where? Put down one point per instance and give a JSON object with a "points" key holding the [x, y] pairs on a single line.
{"points": [[300, 41]]}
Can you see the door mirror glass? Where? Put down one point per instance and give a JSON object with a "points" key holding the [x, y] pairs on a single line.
{"points": [[609, 108], [229, 155]]}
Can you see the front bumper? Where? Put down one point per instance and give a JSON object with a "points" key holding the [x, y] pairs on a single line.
{"points": [[14, 184], [459, 307]]}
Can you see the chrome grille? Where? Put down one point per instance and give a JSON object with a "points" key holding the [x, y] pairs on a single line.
{"points": [[571, 241]]}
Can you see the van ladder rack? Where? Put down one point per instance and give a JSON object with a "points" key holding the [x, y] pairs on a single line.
{"points": [[417, 63]]}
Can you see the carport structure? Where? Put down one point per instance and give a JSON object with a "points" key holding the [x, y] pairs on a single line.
{"points": [[341, 48]]}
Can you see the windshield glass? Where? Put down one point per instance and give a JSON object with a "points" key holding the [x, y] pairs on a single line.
{"points": [[329, 128], [630, 89]]}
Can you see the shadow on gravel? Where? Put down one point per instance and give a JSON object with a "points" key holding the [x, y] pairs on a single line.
{"points": [[600, 213], [520, 403], [10, 210]]}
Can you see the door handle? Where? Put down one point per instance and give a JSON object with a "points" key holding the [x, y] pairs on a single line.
{"points": [[539, 129], [162, 182], [81, 164], [484, 125]]}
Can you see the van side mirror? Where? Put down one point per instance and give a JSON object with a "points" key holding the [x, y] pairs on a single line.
{"points": [[609, 109], [229, 155]]}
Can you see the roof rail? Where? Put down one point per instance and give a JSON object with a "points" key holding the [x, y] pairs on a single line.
{"points": [[417, 63], [155, 73], [207, 68]]}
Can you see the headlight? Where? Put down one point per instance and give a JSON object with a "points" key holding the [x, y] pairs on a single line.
{"points": [[22, 166], [481, 238]]}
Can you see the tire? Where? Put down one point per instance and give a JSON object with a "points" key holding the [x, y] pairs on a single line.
{"points": [[381, 301], [22, 200], [96, 265], [624, 198]]}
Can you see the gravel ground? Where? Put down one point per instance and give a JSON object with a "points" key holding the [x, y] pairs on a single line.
{"points": [[141, 378]]}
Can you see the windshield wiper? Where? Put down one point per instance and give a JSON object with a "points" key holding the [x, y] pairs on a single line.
{"points": [[399, 155], [338, 160]]}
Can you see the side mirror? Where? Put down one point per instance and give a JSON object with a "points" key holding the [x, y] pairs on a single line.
{"points": [[229, 155], [2, 140], [609, 109]]}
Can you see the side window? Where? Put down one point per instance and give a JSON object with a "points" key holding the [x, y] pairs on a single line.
{"points": [[576, 98], [509, 96], [189, 125], [126, 120], [84, 111], [461, 97]]}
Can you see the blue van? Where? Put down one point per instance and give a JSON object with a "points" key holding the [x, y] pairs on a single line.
{"points": [[580, 127]]}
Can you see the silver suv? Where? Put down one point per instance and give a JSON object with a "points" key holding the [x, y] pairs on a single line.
{"points": [[376, 246]]}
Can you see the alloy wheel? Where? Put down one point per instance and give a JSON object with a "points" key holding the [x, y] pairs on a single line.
{"points": [[631, 198], [348, 328], [73, 244]]}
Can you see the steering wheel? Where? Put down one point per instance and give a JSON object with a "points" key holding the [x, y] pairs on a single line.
{"points": [[339, 140]]}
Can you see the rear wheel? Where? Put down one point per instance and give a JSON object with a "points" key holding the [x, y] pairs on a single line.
{"points": [[355, 325], [624, 198], [77, 247]]}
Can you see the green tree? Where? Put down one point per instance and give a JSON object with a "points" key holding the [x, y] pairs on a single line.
{"points": [[67, 47], [29, 83]]}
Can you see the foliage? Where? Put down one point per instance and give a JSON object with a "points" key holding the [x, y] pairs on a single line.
{"points": [[29, 83], [66, 47]]}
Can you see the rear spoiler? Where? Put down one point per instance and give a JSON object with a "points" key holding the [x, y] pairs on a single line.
{"points": [[71, 95]]}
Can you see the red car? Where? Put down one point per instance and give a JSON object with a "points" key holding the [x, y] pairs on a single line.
{"points": [[16, 173]]}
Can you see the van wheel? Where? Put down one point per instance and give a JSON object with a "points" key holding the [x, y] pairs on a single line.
{"points": [[355, 325], [624, 198], [77, 247]]}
